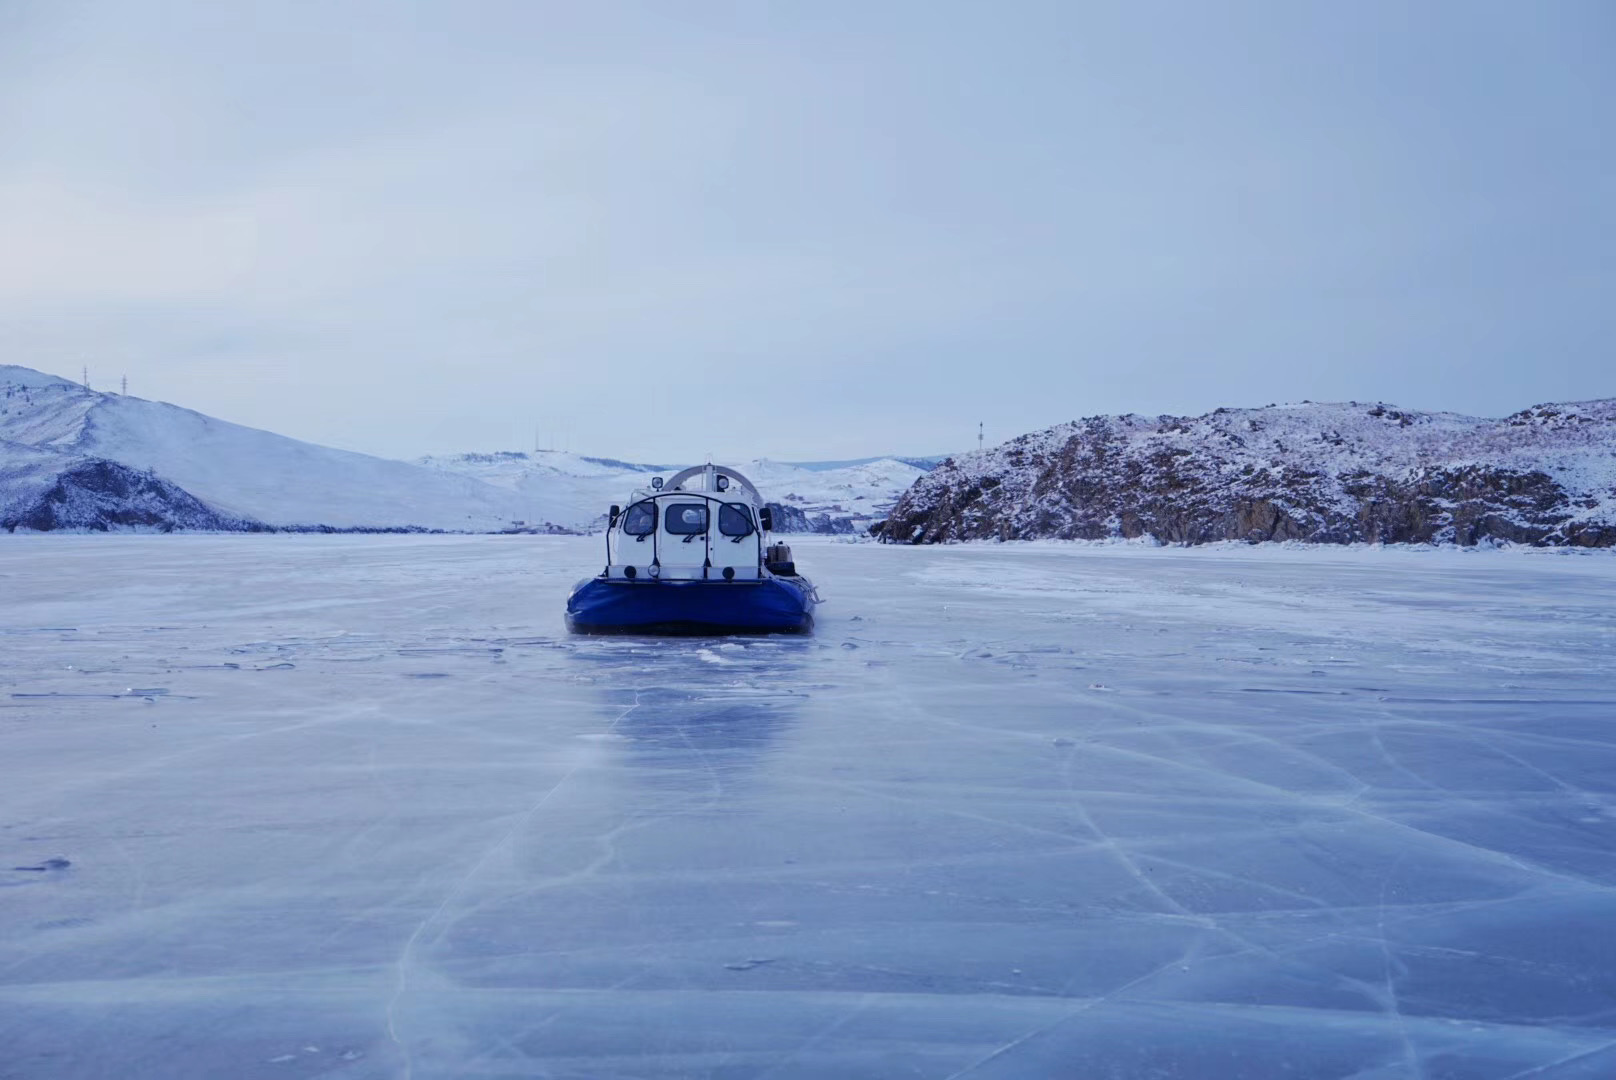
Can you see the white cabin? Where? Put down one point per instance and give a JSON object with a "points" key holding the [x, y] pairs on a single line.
{"points": [[707, 523]]}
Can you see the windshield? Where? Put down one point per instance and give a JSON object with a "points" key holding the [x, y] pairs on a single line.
{"points": [[686, 519], [640, 519], [735, 519]]}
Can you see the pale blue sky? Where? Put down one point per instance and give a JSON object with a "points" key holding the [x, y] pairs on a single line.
{"points": [[804, 230]]}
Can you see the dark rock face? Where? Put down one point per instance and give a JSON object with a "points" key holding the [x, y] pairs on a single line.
{"points": [[791, 519], [831, 525], [104, 495], [1315, 473]]}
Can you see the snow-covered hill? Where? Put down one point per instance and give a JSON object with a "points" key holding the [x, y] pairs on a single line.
{"points": [[51, 428], [71, 457], [1316, 472], [570, 491]]}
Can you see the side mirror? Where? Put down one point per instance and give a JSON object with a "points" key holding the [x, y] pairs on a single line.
{"points": [[612, 520], [766, 516]]}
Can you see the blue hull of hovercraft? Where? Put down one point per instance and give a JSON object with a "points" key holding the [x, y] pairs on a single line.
{"points": [[772, 605]]}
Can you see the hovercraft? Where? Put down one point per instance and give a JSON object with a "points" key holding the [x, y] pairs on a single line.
{"points": [[693, 556]]}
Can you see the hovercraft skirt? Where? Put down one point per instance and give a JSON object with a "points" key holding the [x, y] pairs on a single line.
{"points": [[770, 606]]}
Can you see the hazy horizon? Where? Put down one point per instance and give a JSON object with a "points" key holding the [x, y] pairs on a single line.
{"points": [[557, 446], [803, 234]]}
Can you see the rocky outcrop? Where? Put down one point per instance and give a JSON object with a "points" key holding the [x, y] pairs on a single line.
{"points": [[104, 496], [792, 519], [1315, 473], [100, 496]]}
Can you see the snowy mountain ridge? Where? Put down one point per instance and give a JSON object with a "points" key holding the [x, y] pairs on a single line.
{"points": [[75, 458], [1319, 472], [570, 491], [199, 472]]}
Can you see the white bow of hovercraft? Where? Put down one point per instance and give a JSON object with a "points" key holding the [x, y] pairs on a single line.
{"points": [[706, 523]]}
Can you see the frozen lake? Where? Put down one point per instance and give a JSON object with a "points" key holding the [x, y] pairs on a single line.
{"points": [[359, 807]]}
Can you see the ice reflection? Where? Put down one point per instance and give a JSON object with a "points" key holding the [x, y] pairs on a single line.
{"points": [[673, 704], [663, 723]]}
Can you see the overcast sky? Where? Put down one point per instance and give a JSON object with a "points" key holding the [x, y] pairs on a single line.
{"points": [[807, 229]]}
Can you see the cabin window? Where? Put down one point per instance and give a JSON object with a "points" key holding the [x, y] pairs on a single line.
{"points": [[686, 519], [735, 519], [640, 519]]}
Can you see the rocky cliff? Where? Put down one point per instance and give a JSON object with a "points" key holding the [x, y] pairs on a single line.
{"points": [[1323, 473], [102, 496], [792, 519]]}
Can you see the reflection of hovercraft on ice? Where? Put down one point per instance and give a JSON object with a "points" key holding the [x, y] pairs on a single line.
{"points": [[692, 556]]}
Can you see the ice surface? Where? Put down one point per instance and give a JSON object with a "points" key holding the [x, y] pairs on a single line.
{"points": [[358, 807]]}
